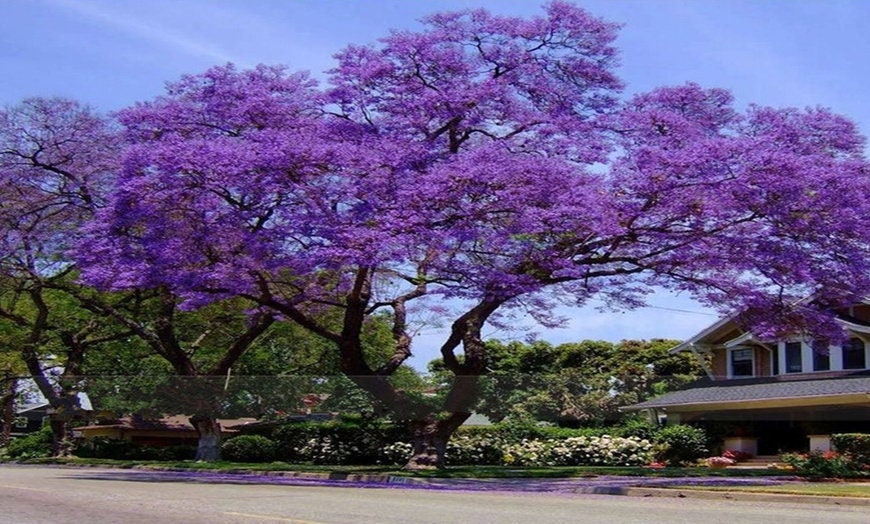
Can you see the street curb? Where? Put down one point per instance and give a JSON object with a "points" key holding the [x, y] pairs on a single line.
{"points": [[723, 495]]}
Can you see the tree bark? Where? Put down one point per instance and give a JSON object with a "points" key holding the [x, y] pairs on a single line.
{"points": [[429, 440], [7, 401], [209, 446], [62, 441]]}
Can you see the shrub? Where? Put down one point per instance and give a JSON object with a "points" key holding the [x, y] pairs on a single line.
{"points": [[474, 449], [529, 453], [108, 448], [819, 464], [681, 444], [340, 442], [248, 448], [855, 445], [737, 455], [119, 449], [395, 454], [601, 451], [720, 462], [639, 428], [290, 438], [35, 445]]}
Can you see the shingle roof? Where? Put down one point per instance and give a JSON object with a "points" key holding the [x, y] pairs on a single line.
{"points": [[166, 423], [779, 387]]}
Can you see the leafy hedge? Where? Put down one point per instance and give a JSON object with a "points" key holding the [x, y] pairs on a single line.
{"points": [[118, 449], [681, 444], [356, 442], [35, 445], [854, 445], [359, 442], [339, 442]]}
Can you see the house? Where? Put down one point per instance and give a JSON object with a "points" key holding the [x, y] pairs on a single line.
{"points": [[30, 418], [766, 397], [165, 431]]}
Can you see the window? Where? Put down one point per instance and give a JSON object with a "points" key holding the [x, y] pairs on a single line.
{"points": [[774, 357], [742, 361], [793, 352], [853, 354], [821, 356]]}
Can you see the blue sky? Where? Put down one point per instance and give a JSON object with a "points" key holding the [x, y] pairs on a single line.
{"points": [[111, 53]]}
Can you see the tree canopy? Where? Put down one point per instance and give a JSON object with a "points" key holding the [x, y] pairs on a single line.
{"points": [[480, 163]]}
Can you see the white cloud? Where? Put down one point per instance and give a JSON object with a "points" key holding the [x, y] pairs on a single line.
{"points": [[146, 29]]}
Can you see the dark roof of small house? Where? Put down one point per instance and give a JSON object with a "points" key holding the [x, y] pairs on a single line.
{"points": [[765, 388], [167, 423], [31, 407]]}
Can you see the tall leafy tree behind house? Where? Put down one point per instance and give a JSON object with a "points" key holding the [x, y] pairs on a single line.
{"points": [[488, 159], [579, 384]]}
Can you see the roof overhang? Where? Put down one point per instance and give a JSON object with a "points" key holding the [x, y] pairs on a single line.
{"points": [[767, 403]]}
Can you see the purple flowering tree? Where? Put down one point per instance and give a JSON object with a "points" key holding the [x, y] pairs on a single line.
{"points": [[485, 163], [57, 160]]}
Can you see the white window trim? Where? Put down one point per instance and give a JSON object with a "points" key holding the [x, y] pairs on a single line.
{"points": [[835, 354], [730, 367], [806, 356]]}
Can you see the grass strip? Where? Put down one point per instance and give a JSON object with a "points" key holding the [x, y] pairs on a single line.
{"points": [[820, 489]]}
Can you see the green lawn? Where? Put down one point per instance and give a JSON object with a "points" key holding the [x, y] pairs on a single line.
{"points": [[825, 489], [449, 472]]}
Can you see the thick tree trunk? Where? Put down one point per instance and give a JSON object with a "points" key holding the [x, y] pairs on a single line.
{"points": [[429, 438], [62, 441], [209, 447]]}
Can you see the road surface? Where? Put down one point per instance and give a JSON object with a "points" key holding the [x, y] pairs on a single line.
{"points": [[37, 495]]}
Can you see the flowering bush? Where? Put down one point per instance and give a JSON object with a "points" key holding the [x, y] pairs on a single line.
{"points": [[819, 464], [352, 442], [602, 451], [720, 462], [475, 450], [580, 451], [396, 453], [326, 450], [737, 455], [528, 452]]}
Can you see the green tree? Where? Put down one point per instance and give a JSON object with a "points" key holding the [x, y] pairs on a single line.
{"points": [[579, 384]]}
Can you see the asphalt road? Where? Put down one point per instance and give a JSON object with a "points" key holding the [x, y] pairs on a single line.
{"points": [[37, 495]]}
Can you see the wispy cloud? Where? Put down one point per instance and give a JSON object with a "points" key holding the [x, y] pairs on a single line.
{"points": [[147, 30]]}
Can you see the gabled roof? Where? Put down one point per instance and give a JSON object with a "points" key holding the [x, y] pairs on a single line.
{"points": [[710, 330], [808, 389], [725, 324]]}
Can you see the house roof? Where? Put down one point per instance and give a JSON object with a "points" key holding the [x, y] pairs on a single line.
{"points": [[777, 391], [703, 339], [168, 423]]}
